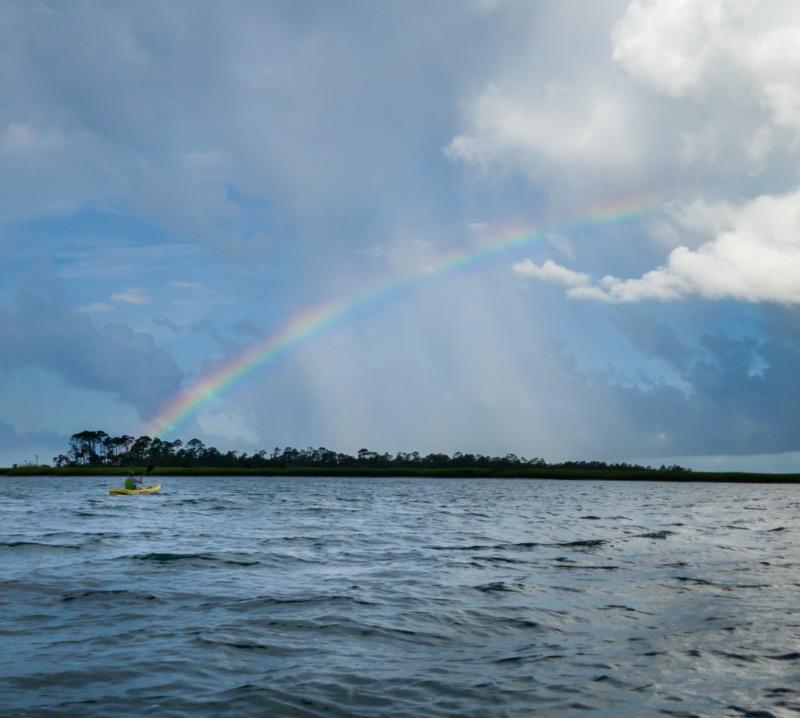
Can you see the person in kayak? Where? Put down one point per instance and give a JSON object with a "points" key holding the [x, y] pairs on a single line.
{"points": [[133, 482]]}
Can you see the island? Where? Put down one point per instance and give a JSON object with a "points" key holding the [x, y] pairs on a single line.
{"points": [[95, 452]]}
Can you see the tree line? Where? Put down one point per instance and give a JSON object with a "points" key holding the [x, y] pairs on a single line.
{"points": [[98, 448]]}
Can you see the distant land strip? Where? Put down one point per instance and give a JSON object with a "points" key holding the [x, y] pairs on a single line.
{"points": [[97, 453], [366, 472]]}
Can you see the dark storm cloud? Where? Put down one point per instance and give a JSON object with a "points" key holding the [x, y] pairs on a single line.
{"points": [[650, 336], [11, 439], [220, 121], [42, 331], [739, 395], [782, 321]]}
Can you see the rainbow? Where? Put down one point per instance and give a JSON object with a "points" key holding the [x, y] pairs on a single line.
{"points": [[312, 321]]}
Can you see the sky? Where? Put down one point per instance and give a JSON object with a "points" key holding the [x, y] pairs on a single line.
{"points": [[185, 182]]}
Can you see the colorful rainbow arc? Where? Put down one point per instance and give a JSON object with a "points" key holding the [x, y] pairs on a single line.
{"points": [[309, 322]]}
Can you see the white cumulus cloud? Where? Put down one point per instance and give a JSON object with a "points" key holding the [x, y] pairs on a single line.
{"points": [[676, 46], [753, 256], [737, 48], [22, 138], [688, 96], [96, 308], [549, 271], [555, 127], [131, 296]]}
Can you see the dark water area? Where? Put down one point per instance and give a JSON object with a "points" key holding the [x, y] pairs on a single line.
{"points": [[389, 597]]}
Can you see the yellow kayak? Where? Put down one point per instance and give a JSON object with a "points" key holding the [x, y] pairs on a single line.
{"points": [[146, 490]]}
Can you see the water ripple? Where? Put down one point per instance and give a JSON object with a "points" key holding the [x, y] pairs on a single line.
{"points": [[352, 597]]}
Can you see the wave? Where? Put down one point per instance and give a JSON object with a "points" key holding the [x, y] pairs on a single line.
{"points": [[246, 645], [525, 624], [586, 566], [106, 593], [724, 586], [627, 609], [656, 534], [587, 543], [160, 557], [39, 544], [697, 581], [328, 624], [581, 543], [500, 559], [501, 587], [246, 603]]}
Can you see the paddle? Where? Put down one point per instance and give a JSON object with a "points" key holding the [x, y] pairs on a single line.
{"points": [[147, 471]]}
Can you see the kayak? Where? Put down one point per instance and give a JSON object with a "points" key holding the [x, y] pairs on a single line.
{"points": [[146, 490]]}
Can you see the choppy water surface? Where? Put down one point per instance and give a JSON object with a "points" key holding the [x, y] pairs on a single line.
{"points": [[353, 597]]}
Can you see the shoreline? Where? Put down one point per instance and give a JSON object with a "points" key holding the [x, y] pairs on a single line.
{"points": [[462, 473]]}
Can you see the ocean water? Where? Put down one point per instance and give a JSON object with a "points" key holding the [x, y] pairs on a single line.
{"points": [[398, 597]]}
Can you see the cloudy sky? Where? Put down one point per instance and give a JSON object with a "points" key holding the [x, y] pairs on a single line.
{"points": [[181, 179]]}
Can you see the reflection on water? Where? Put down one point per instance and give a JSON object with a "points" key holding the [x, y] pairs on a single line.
{"points": [[354, 597]]}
